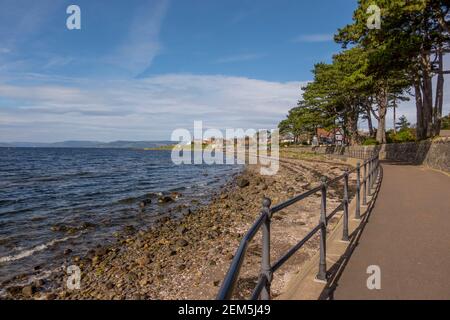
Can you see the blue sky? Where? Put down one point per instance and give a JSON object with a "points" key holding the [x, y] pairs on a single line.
{"points": [[139, 69]]}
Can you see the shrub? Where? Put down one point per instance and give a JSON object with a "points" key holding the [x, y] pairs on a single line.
{"points": [[445, 123], [406, 135], [370, 142]]}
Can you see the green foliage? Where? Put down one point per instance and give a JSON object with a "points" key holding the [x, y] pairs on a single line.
{"points": [[407, 135], [402, 49], [375, 72], [370, 142], [340, 90], [402, 124], [302, 120], [445, 122]]}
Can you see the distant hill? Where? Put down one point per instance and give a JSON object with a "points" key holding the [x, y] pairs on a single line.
{"points": [[3, 145], [89, 144]]}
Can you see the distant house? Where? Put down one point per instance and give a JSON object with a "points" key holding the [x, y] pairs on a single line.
{"points": [[331, 137], [287, 138]]}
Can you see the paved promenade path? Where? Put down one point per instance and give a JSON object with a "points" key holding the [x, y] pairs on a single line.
{"points": [[407, 236]]}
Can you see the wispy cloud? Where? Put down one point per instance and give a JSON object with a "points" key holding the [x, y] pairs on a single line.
{"points": [[240, 58], [18, 25], [325, 37], [25, 46], [142, 45], [239, 16]]}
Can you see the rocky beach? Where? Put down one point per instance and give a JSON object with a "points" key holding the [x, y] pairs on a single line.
{"points": [[188, 257]]}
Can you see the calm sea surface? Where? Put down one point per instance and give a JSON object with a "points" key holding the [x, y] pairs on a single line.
{"points": [[52, 200]]}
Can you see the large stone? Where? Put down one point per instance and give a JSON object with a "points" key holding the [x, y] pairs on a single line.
{"points": [[129, 229], [182, 229], [180, 243], [143, 261], [145, 203], [175, 195], [144, 281], [59, 228], [165, 199], [29, 290], [242, 182], [264, 187]]}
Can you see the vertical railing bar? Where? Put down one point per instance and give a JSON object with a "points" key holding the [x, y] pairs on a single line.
{"points": [[265, 259], [322, 274], [374, 176], [358, 191], [369, 185], [345, 227], [365, 185]]}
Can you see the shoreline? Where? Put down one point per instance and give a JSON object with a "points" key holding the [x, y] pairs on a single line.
{"points": [[187, 258]]}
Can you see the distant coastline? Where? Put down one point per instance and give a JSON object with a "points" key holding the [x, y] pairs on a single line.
{"points": [[121, 144]]}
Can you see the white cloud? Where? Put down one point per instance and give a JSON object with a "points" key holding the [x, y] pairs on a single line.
{"points": [[141, 109], [314, 38]]}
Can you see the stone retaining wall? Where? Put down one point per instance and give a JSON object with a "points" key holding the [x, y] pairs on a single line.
{"points": [[432, 153]]}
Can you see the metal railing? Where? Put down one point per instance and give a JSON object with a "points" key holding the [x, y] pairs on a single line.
{"points": [[370, 172]]}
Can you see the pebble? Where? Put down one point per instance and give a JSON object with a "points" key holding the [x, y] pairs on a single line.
{"points": [[29, 290], [180, 243], [182, 229]]}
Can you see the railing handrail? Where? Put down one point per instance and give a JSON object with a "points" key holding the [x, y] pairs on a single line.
{"points": [[267, 270]]}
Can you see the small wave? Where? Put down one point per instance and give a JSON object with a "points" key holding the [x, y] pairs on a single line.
{"points": [[29, 252], [178, 189], [7, 202]]}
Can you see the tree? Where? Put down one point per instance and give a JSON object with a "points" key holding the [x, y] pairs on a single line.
{"points": [[302, 120], [402, 124], [412, 39], [340, 89], [445, 124], [348, 88]]}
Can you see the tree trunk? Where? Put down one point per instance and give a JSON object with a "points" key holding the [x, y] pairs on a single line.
{"points": [[382, 100], [351, 125], [395, 117], [437, 112], [369, 120], [420, 129], [427, 96]]}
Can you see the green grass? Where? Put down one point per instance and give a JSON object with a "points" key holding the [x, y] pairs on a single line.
{"points": [[171, 147]]}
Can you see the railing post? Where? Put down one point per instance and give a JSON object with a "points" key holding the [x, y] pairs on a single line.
{"points": [[377, 171], [374, 173], [369, 185], [266, 269], [322, 274], [358, 191], [365, 185], [374, 178], [345, 228]]}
